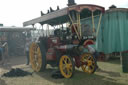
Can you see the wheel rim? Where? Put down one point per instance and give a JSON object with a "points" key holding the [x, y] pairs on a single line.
{"points": [[35, 57], [66, 67], [88, 63]]}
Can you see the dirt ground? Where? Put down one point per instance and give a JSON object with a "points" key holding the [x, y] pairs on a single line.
{"points": [[109, 73]]}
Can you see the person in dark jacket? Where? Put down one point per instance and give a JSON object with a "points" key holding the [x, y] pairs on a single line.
{"points": [[27, 46]]}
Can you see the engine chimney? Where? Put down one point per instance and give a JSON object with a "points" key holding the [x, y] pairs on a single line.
{"points": [[71, 2]]}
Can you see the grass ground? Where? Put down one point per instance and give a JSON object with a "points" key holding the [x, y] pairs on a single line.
{"points": [[109, 73]]}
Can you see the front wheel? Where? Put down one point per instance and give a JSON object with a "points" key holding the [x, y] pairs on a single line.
{"points": [[66, 66], [88, 63]]}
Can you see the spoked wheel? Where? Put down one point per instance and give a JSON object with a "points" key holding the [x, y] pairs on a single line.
{"points": [[88, 63], [37, 60], [66, 66]]}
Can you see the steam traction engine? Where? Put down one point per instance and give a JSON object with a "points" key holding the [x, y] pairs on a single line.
{"points": [[65, 48]]}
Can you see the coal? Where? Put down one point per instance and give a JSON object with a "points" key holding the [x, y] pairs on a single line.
{"points": [[16, 73], [57, 75]]}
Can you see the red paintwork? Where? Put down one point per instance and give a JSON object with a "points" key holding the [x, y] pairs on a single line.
{"points": [[90, 7], [77, 61], [84, 63], [51, 54], [88, 42], [53, 41], [53, 45], [75, 42]]}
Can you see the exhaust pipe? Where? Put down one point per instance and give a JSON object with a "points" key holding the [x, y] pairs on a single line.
{"points": [[71, 2]]}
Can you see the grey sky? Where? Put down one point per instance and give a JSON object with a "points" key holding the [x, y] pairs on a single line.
{"points": [[15, 12]]}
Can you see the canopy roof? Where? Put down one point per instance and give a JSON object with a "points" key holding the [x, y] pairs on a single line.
{"points": [[15, 29], [61, 16]]}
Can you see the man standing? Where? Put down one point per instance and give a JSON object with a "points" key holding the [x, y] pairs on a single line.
{"points": [[27, 46], [3, 52]]}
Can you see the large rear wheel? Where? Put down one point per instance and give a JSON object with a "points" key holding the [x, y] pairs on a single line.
{"points": [[88, 63], [37, 57], [66, 66]]}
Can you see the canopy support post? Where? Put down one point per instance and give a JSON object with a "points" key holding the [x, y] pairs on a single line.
{"points": [[33, 31], [48, 30], [98, 27], [42, 31], [93, 22], [74, 27], [79, 24]]}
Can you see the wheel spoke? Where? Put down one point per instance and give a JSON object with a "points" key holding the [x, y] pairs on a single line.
{"points": [[64, 66], [69, 65], [68, 71], [65, 61]]}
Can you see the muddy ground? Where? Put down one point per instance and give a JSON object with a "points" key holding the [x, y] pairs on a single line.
{"points": [[109, 73]]}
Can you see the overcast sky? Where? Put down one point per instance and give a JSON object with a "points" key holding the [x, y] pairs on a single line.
{"points": [[15, 12]]}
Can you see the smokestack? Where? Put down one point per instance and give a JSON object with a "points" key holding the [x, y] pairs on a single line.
{"points": [[71, 2]]}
